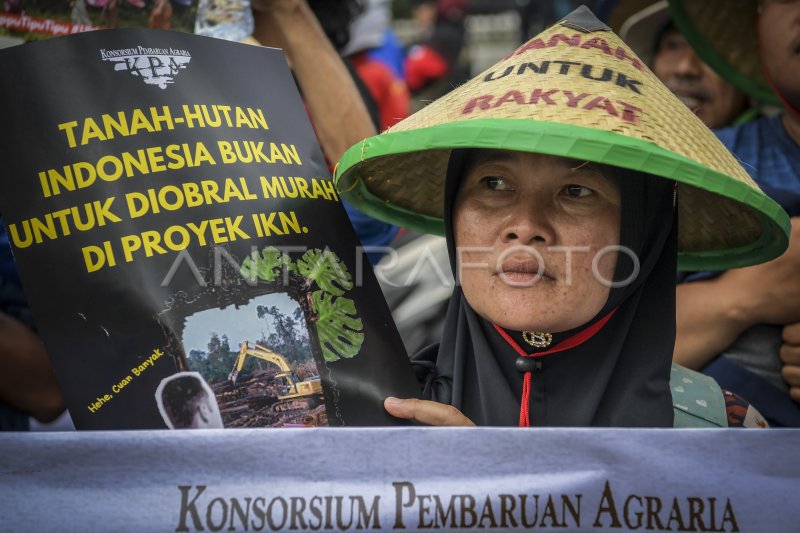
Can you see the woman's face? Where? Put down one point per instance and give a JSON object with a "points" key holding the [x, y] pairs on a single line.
{"points": [[528, 229]]}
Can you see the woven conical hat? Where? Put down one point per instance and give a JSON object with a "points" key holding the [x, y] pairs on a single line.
{"points": [[723, 33], [576, 90]]}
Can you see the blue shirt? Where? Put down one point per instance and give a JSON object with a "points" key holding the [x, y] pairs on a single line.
{"points": [[390, 53], [12, 297], [12, 302], [371, 232], [770, 156]]}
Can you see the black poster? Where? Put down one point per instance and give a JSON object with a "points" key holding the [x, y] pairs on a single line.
{"points": [[180, 241]]}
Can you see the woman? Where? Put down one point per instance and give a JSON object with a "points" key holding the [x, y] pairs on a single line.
{"points": [[557, 190], [548, 206]]}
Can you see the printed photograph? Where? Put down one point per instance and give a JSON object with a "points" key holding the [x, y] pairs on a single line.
{"points": [[257, 359]]}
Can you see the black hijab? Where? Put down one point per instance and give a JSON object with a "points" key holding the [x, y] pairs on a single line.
{"points": [[619, 377]]}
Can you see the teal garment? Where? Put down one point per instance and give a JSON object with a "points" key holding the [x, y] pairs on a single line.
{"points": [[697, 400]]}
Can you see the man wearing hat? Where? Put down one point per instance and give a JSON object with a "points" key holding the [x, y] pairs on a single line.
{"points": [[742, 313], [651, 33]]}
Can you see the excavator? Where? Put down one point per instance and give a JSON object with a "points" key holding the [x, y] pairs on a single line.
{"points": [[294, 393]]}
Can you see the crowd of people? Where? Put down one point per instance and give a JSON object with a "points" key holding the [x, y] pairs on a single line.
{"points": [[605, 339]]}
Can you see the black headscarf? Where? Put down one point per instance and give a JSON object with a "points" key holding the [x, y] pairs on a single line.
{"points": [[619, 377]]}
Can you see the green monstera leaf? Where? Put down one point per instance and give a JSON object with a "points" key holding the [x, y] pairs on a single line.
{"points": [[326, 269], [266, 266], [339, 328]]}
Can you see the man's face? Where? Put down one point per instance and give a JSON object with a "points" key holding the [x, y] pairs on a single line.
{"points": [[779, 40], [714, 101]]}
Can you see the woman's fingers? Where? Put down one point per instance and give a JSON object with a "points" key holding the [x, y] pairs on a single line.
{"points": [[426, 412]]}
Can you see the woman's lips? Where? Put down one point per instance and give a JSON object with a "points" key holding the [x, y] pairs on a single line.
{"points": [[520, 278], [522, 273]]}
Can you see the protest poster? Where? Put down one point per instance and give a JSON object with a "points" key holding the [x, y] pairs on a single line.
{"points": [[177, 233]]}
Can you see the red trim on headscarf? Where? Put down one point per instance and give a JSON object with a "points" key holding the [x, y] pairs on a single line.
{"points": [[571, 342], [524, 406], [767, 75]]}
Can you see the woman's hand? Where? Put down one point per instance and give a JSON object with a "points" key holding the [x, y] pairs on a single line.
{"points": [[426, 412]]}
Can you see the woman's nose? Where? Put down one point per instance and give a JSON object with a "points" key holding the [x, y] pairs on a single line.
{"points": [[529, 224]]}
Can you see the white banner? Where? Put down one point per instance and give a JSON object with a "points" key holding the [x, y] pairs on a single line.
{"points": [[411, 479]]}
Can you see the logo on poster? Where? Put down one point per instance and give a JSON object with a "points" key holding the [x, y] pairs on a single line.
{"points": [[155, 66]]}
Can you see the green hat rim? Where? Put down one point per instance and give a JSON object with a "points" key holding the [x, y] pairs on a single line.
{"points": [[708, 52], [565, 140]]}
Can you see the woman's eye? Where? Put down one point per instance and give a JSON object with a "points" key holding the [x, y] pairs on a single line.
{"points": [[577, 191], [496, 183]]}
